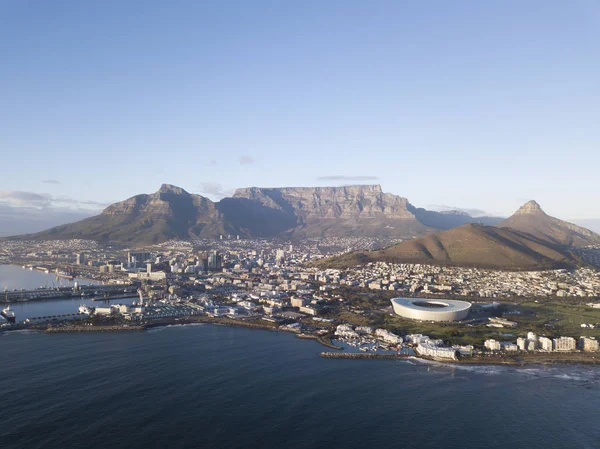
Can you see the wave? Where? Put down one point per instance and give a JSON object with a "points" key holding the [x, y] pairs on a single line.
{"points": [[573, 374], [19, 332], [162, 328]]}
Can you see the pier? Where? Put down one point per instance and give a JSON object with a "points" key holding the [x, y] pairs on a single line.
{"points": [[99, 291], [355, 355]]}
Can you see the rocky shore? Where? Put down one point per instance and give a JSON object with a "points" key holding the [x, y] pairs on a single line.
{"points": [[354, 355], [76, 329]]}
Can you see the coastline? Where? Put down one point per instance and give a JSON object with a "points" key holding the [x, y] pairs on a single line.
{"points": [[521, 359], [75, 279]]}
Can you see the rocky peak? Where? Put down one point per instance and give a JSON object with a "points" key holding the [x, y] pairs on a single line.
{"points": [[171, 189], [530, 207]]}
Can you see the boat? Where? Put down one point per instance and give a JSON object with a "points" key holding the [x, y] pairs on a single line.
{"points": [[85, 309], [9, 315]]}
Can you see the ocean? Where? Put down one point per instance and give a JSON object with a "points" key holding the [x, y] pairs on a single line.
{"points": [[15, 277], [221, 387]]}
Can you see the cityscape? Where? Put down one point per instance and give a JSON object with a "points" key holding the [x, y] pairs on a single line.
{"points": [[278, 284], [299, 224]]}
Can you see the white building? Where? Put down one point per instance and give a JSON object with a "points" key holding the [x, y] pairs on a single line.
{"points": [[464, 350], [103, 311], [522, 343], [298, 302], [509, 346], [492, 345], [387, 336], [564, 344], [437, 352], [588, 344], [415, 339], [308, 310], [545, 344], [531, 336], [346, 331]]}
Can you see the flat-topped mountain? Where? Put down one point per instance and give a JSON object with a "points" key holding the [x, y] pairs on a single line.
{"points": [[530, 218], [334, 211], [470, 245], [292, 212]]}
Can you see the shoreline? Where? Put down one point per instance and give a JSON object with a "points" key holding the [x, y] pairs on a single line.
{"points": [[75, 279], [523, 359]]}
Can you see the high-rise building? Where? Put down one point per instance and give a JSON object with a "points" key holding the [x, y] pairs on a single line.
{"points": [[136, 257], [492, 345], [564, 344], [280, 256], [589, 344], [545, 344], [80, 259], [214, 261]]}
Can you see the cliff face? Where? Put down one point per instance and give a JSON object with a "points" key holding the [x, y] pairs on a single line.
{"points": [[337, 211]]}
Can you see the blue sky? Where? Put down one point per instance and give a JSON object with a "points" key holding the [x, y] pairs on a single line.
{"points": [[479, 105]]}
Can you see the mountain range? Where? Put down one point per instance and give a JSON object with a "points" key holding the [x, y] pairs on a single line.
{"points": [[171, 212], [529, 239]]}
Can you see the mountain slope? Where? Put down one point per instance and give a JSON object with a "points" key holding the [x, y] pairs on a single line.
{"points": [[471, 245], [171, 212], [449, 219], [530, 218]]}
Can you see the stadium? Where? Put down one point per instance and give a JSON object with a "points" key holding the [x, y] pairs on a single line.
{"points": [[431, 309]]}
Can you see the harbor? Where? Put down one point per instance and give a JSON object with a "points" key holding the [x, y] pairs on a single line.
{"points": [[98, 292]]}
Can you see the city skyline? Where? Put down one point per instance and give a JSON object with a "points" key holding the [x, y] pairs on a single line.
{"points": [[472, 106]]}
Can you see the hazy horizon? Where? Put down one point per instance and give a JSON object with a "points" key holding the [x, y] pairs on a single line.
{"points": [[16, 220]]}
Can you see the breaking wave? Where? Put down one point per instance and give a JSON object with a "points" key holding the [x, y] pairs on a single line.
{"points": [[162, 328]]}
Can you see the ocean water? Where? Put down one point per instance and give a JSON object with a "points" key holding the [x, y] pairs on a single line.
{"points": [[219, 387], [12, 277]]}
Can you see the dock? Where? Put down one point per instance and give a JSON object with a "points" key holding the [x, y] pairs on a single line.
{"points": [[355, 355], [100, 291]]}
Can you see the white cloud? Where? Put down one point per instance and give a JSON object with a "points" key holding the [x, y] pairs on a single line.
{"points": [[21, 199], [214, 190], [25, 199]]}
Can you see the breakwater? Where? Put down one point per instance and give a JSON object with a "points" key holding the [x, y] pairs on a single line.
{"points": [[82, 329], [324, 340], [354, 355]]}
